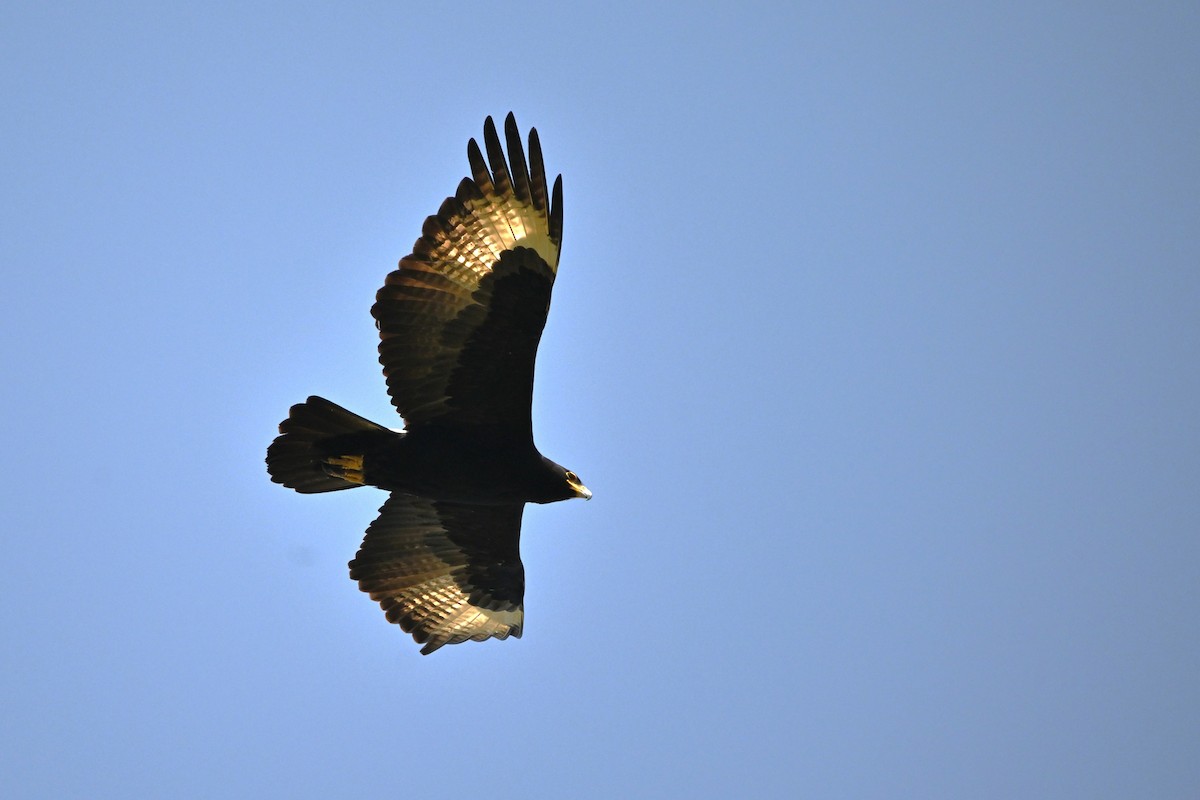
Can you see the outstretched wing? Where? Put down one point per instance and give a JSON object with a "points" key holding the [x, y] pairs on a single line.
{"points": [[461, 319], [445, 572]]}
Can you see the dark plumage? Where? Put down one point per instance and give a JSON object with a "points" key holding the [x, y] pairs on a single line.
{"points": [[459, 324]]}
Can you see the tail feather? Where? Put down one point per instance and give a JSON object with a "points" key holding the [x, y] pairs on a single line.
{"points": [[321, 446]]}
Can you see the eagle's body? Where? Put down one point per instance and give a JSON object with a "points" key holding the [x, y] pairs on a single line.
{"points": [[459, 322]]}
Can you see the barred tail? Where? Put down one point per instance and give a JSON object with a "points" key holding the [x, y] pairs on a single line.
{"points": [[321, 446]]}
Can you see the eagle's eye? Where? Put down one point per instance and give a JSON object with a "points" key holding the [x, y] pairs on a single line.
{"points": [[572, 477]]}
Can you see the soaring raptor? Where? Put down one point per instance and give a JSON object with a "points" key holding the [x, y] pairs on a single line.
{"points": [[459, 324]]}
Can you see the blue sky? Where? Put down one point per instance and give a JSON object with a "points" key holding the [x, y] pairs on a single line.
{"points": [[875, 335]]}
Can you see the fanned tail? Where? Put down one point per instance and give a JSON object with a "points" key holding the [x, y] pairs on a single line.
{"points": [[321, 447]]}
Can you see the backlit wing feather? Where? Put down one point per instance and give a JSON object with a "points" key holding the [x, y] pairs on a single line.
{"points": [[461, 318], [445, 572]]}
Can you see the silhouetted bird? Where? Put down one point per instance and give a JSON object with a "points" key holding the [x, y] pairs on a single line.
{"points": [[459, 324]]}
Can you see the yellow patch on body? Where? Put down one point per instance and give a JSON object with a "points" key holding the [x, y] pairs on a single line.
{"points": [[348, 468]]}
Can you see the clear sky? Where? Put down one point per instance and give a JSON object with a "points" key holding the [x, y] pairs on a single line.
{"points": [[876, 335]]}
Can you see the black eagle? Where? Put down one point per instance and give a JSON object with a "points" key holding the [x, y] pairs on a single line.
{"points": [[459, 324]]}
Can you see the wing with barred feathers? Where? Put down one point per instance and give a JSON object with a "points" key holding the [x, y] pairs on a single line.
{"points": [[461, 318], [445, 572]]}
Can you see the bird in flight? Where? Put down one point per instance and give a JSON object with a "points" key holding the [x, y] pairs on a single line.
{"points": [[459, 325]]}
